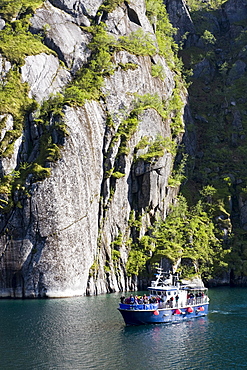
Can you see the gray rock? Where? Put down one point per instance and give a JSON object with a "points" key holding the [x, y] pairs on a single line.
{"points": [[128, 18], [120, 87], [235, 10], [53, 259], [62, 35], [204, 70], [237, 121], [2, 24], [44, 75], [75, 8], [8, 124], [92, 6], [8, 164], [180, 18], [189, 138], [5, 66], [82, 7], [236, 72]]}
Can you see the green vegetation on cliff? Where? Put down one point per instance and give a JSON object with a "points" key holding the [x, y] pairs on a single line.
{"points": [[16, 42], [158, 17], [10, 9], [110, 5], [190, 235], [15, 102], [90, 79], [218, 104], [197, 5]]}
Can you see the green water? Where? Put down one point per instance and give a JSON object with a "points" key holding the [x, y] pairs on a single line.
{"points": [[89, 333]]}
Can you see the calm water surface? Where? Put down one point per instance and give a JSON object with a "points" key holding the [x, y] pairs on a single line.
{"points": [[89, 333]]}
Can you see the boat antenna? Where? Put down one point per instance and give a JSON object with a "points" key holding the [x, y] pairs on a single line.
{"points": [[161, 277]]}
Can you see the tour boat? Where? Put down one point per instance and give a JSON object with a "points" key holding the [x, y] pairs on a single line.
{"points": [[166, 301]]}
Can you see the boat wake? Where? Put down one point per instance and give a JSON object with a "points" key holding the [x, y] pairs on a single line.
{"points": [[222, 312]]}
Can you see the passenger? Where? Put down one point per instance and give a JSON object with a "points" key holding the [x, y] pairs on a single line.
{"points": [[132, 299], [122, 299], [145, 299], [177, 298], [140, 300], [171, 302], [152, 300], [199, 295]]}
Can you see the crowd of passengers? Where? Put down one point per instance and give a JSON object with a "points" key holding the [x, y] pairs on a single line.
{"points": [[149, 300], [171, 302], [141, 299], [195, 298]]}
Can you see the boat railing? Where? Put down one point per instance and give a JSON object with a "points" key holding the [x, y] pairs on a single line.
{"points": [[148, 306], [167, 304], [197, 300]]}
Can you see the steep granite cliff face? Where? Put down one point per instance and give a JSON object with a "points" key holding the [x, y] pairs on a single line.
{"points": [[71, 233]]}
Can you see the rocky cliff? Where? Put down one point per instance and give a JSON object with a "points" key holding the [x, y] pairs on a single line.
{"points": [[71, 232], [95, 123]]}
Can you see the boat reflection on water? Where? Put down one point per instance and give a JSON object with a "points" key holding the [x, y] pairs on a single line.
{"points": [[166, 301]]}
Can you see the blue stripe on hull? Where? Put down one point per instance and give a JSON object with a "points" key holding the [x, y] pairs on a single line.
{"points": [[159, 316]]}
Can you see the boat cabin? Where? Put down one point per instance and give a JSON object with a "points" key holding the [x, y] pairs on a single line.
{"points": [[170, 296], [178, 296]]}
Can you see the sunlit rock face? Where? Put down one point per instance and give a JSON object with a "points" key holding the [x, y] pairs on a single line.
{"points": [[44, 75], [81, 7], [54, 235], [71, 219], [63, 35]]}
